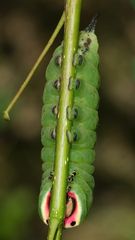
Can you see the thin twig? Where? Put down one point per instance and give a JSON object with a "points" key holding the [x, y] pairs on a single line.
{"points": [[31, 73], [58, 194]]}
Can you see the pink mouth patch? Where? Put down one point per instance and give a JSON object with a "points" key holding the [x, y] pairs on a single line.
{"points": [[47, 207], [69, 221]]}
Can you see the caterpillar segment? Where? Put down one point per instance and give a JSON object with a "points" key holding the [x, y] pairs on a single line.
{"points": [[82, 138]]}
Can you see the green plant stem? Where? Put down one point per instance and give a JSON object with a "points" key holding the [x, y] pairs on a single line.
{"points": [[58, 197], [31, 73]]}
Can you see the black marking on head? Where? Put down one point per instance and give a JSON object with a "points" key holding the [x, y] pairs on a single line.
{"points": [[77, 83], [53, 134], [58, 60], [73, 223], [55, 110], [86, 49], [88, 40], [56, 84], [91, 27], [86, 46], [47, 222]]}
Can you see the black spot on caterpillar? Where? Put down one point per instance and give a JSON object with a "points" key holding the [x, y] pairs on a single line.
{"points": [[77, 83], [58, 60], [73, 223], [51, 175], [55, 110], [53, 134], [57, 84], [82, 137]]}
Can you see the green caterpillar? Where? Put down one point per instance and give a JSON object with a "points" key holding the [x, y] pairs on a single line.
{"points": [[82, 138]]}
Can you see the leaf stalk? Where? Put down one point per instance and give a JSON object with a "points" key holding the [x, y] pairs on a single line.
{"points": [[70, 45]]}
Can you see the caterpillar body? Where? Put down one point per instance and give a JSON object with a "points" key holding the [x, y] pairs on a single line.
{"points": [[82, 138]]}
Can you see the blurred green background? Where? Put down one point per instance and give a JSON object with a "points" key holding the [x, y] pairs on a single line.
{"points": [[25, 27]]}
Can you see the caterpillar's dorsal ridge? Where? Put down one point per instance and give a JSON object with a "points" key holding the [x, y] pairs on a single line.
{"points": [[91, 27]]}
